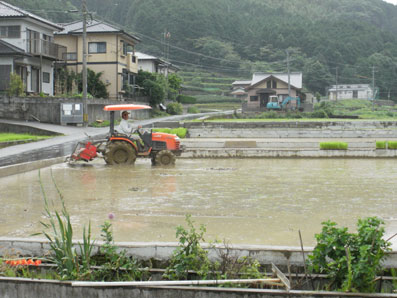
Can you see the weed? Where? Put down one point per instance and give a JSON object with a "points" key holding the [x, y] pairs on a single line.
{"points": [[189, 255], [61, 241]]}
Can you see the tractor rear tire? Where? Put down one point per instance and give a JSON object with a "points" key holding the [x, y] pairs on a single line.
{"points": [[165, 158], [120, 153]]}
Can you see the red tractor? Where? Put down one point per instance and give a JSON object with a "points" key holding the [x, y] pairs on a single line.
{"points": [[120, 148]]}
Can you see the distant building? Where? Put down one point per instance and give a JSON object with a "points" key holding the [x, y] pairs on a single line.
{"points": [[27, 49], [154, 64], [350, 91], [263, 85]]}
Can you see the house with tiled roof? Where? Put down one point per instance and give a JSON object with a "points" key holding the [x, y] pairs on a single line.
{"points": [[263, 85], [27, 48], [111, 51]]}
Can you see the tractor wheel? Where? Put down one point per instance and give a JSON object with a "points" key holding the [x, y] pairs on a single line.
{"points": [[120, 153], [165, 158]]}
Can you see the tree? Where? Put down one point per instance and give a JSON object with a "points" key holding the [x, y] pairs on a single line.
{"points": [[316, 76], [95, 86]]}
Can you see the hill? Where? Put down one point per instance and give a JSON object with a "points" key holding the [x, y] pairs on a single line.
{"points": [[329, 40]]}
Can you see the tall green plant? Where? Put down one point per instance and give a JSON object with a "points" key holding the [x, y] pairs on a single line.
{"points": [[189, 255], [69, 265], [351, 260]]}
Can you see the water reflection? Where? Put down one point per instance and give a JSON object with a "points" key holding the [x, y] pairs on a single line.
{"points": [[253, 201]]}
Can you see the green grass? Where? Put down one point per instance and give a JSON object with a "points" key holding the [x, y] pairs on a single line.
{"points": [[333, 146], [11, 137], [381, 144], [180, 131]]}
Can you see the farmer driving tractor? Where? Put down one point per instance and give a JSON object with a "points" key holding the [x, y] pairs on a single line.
{"points": [[121, 147]]}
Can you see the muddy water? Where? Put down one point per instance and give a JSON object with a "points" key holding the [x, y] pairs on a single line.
{"points": [[246, 201]]}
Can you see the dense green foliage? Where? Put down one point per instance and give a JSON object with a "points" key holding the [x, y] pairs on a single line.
{"points": [[392, 144], [185, 99], [180, 131], [381, 144], [323, 37], [16, 87], [95, 86], [351, 260], [175, 108], [333, 146], [10, 137]]}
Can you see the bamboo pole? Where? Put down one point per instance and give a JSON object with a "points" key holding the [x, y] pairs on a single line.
{"points": [[267, 281]]}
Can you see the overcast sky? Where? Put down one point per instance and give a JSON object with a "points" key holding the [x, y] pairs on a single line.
{"points": [[391, 1]]}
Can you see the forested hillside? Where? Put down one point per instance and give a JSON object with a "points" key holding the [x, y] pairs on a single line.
{"points": [[323, 37]]}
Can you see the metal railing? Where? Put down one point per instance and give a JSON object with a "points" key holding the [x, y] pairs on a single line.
{"points": [[45, 48]]}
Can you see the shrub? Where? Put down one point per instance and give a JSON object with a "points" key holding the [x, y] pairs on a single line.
{"points": [[333, 146], [381, 144], [189, 255], [193, 110], [351, 260], [175, 108], [185, 99], [392, 144], [16, 87], [180, 131]]}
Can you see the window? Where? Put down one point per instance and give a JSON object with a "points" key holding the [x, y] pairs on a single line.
{"points": [[274, 84], [254, 98], [133, 59], [10, 31], [46, 77], [69, 56], [96, 47], [269, 84]]}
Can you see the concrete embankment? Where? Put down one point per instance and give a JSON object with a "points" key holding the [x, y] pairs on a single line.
{"points": [[288, 147]]}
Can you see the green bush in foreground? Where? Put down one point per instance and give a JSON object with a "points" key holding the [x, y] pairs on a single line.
{"points": [[381, 144], [350, 260], [333, 146], [180, 131]]}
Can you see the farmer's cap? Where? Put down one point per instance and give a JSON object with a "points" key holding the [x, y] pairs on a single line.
{"points": [[124, 113]]}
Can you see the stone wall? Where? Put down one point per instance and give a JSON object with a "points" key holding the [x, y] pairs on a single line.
{"points": [[47, 109], [290, 129]]}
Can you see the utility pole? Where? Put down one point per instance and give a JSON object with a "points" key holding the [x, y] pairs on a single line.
{"points": [[85, 108], [373, 88], [289, 82], [336, 86]]}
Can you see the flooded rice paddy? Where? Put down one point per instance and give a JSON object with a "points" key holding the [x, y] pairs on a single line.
{"points": [[245, 201]]}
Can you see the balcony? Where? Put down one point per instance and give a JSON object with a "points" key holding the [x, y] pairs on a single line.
{"points": [[45, 48]]}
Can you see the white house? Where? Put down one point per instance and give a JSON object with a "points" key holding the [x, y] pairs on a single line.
{"points": [[350, 91], [27, 48], [154, 64]]}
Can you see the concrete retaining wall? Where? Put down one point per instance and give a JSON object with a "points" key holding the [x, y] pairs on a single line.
{"points": [[290, 129], [27, 288], [47, 109], [162, 251]]}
